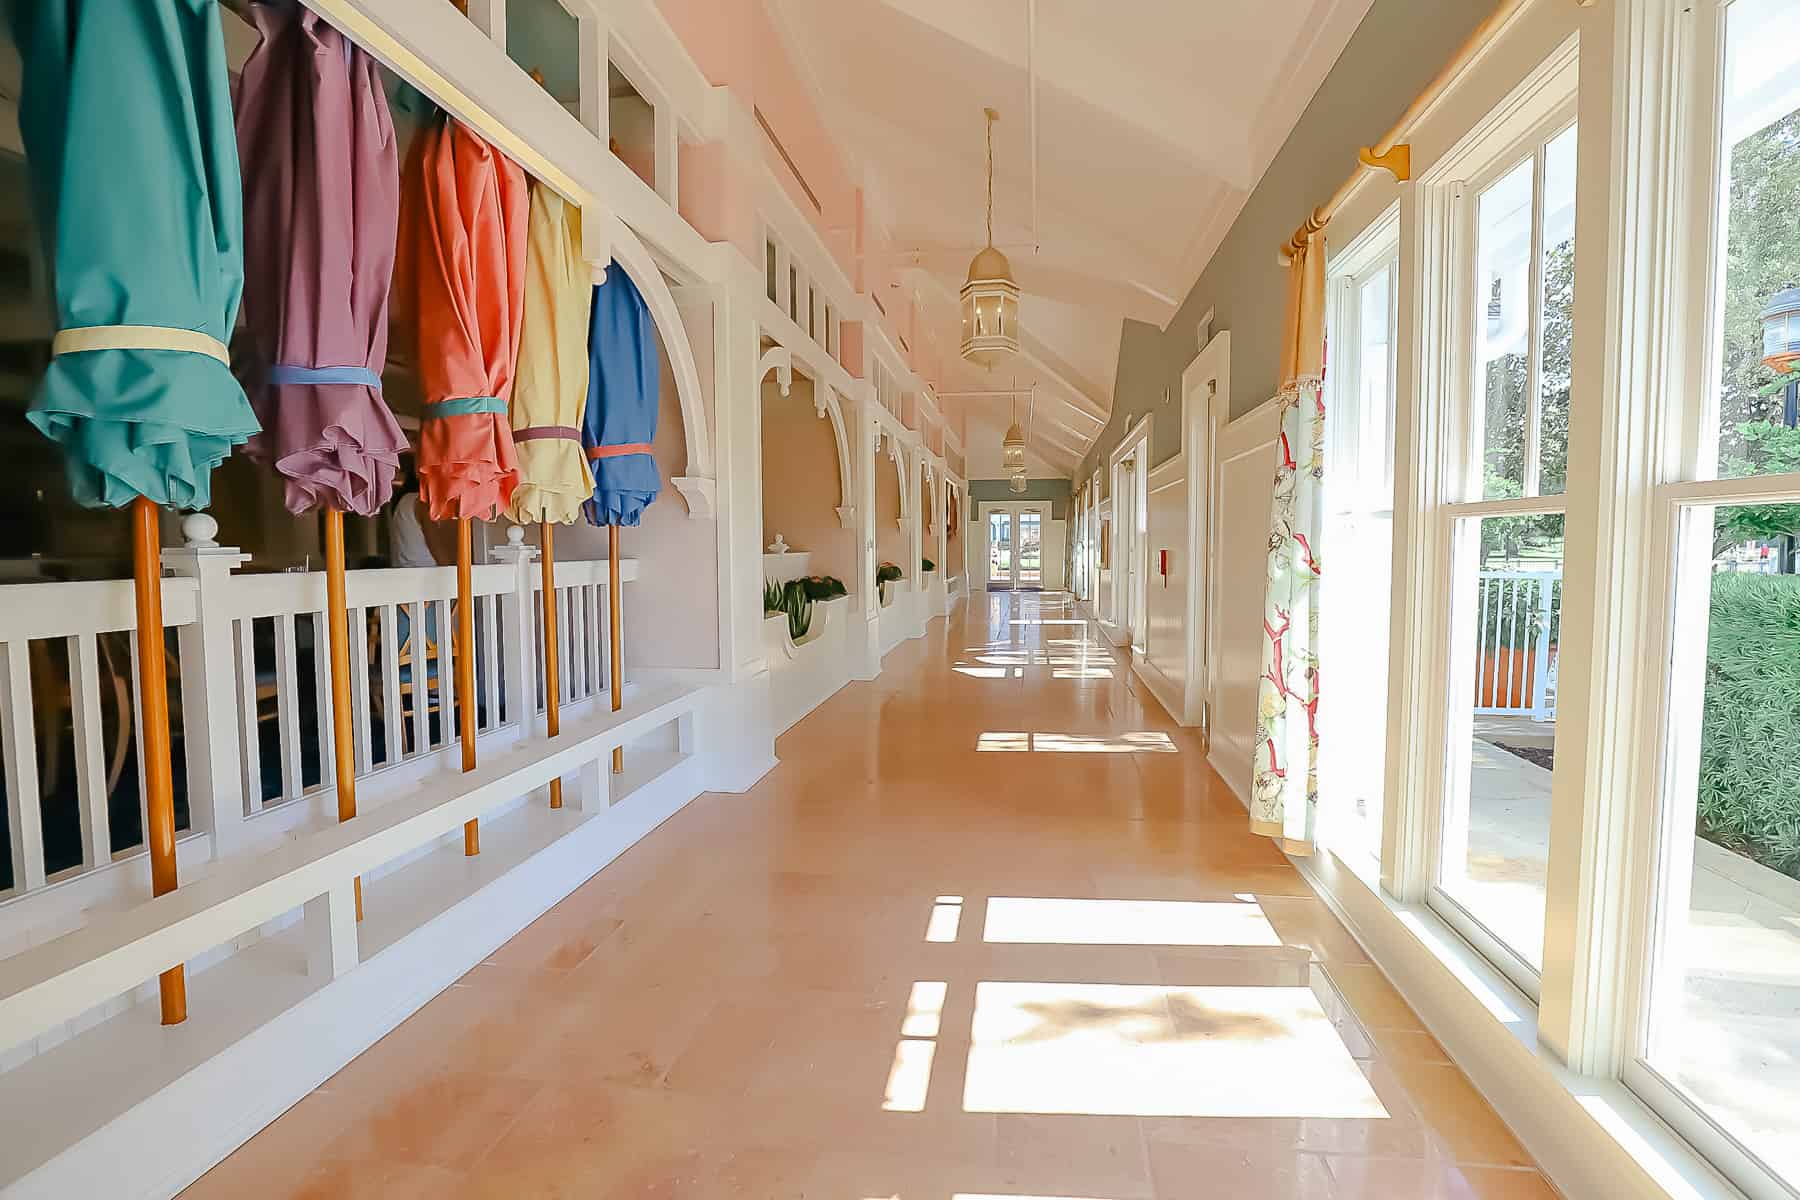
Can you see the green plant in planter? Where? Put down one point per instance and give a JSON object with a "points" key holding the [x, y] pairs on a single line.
{"points": [[927, 565], [824, 587], [772, 593], [885, 574], [798, 606]]}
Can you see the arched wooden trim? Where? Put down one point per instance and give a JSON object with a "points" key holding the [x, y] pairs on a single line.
{"points": [[780, 360], [628, 250], [826, 403]]}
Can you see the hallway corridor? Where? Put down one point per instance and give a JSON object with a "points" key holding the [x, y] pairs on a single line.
{"points": [[992, 929]]}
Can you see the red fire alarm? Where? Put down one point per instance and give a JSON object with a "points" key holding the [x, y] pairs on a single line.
{"points": [[1162, 566]]}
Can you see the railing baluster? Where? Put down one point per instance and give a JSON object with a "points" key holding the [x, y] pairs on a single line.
{"points": [[249, 715], [596, 642], [392, 706], [90, 754], [420, 666], [359, 688], [24, 812], [287, 704], [564, 632], [490, 651], [323, 735], [137, 745], [446, 643]]}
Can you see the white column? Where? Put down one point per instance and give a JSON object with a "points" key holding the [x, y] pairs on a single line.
{"points": [[210, 695]]}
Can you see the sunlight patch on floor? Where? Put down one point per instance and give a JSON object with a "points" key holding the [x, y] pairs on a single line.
{"points": [[1153, 1051], [1142, 742], [910, 1076], [1046, 920], [946, 918]]}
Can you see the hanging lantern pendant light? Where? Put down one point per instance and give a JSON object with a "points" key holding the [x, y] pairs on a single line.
{"points": [[990, 298]]}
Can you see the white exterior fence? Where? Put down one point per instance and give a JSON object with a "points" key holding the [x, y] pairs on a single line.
{"points": [[1517, 629]]}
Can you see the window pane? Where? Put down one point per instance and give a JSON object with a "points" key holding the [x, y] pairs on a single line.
{"points": [[1726, 1014], [1374, 362], [1031, 537], [1558, 313], [1503, 328], [1497, 820], [545, 39], [770, 280], [1761, 200]]}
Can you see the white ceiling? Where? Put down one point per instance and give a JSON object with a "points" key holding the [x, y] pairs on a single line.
{"points": [[1155, 119]]}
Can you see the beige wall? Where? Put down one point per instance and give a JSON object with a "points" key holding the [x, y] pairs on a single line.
{"points": [[1165, 600], [672, 612], [800, 480], [890, 541]]}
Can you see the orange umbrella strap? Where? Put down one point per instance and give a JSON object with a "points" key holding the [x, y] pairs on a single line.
{"points": [[463, 406], [616, 451]]}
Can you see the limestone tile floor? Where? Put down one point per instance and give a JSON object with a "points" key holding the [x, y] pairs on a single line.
{"points": [[903, 967]]}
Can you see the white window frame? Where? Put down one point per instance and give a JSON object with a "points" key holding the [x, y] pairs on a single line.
{"points": [[1373, 251], [1443, 267], [1684, 436]]}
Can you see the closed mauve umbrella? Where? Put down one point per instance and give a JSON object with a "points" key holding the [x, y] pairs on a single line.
{"points": [[322, 211], [623, 398], [460, 286], [547, 405], [125, 113]]}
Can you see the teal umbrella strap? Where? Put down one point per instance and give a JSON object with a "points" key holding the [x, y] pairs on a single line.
{"points": [[138, 337], [464, 406]]}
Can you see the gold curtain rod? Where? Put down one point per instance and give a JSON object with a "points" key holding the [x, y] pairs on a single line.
{"points": [[1388, 153]]}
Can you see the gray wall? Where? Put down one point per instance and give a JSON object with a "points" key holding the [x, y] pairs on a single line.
{"points": [[1390, 58], [1057, 491]]}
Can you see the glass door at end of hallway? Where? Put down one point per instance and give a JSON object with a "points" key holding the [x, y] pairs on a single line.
{"points": [[1015, 548]]}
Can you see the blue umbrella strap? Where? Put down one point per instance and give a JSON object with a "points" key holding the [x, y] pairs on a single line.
{"points": [[139, 337], [286, 373], [464, 406]]}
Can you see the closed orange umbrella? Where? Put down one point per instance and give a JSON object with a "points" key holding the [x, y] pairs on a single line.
{"points": [[460, 296]]}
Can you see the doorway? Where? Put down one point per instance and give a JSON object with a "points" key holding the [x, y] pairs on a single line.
{"points": [[1131, 567], [1015, 548]]}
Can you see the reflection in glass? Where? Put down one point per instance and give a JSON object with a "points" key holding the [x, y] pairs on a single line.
{"points": [[1726, 1013], [1496, 835], [1503, 324]]}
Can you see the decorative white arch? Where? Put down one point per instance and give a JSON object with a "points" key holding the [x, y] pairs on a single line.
{"points": [[827, 404], [697, 486], [907, 499], [780, 360]]}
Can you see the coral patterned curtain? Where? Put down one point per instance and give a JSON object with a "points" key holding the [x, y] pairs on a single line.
{"points": [[1284, 796]]}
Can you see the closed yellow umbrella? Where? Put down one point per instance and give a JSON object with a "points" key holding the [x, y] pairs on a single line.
{"points": [[548, 400]]}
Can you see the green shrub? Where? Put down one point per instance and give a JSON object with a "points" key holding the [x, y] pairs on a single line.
{"points": [[771, 597], [1749, 779], [926, 564], [885, 574], [798, 606]]}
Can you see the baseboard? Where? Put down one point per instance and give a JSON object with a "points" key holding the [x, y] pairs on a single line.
{"points": [[170, 1138], [1592, 1138], [1172, 698], [1228, 775]]}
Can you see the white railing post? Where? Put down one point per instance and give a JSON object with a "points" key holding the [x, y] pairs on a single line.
{"points": [[209, 684], [1540, 672], [518, 629]]}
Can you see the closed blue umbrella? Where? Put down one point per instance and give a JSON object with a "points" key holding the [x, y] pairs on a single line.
{"points": [[125, 112], [624, 377]]}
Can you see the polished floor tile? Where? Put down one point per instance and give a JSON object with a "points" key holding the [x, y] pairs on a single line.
{"points": [[992, 930]]}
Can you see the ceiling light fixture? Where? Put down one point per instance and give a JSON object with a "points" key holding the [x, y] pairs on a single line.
{"points": [[990, 298]]}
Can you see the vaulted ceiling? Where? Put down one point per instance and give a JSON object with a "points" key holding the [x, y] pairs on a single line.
{"points": [[1153, 121]]}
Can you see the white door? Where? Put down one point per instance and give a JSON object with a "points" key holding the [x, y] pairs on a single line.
{"points": [[1015, 548]]}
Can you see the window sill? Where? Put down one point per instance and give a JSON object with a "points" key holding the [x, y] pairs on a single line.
{"points": [[1592, 1137]]}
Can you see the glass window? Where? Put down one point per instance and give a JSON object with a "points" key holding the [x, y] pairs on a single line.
{"points": [[1720, 1049], [1496, 821], [631, 122], [545, 39], [793, 304], [1359, 501], [1506, 598], [771, 273], [1526, 271]]}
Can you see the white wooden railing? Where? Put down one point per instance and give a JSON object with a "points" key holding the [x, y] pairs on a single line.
{"points": [[251, 706], [1516, 633]]}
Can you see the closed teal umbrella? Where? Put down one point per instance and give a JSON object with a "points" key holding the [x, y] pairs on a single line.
{"points": [[126, 116], [125, 111]]}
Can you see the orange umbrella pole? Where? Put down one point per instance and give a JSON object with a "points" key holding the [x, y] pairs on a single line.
{"points": [[465, 665], [153, 758], [612, 629], [337, 629], [552, 679]]}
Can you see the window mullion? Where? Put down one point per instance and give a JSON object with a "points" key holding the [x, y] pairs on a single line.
{"points": [[1534, 347]]}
